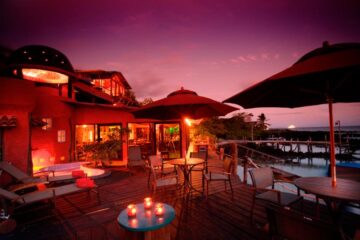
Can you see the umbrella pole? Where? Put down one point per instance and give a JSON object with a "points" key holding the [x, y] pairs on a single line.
{"points": [[332, 145]]}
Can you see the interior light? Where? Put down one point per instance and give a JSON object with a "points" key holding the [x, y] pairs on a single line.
{"points": [[45, 76]]}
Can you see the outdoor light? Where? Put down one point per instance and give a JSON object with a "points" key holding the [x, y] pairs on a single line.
{"points": [[131, 210], [188, 121]]}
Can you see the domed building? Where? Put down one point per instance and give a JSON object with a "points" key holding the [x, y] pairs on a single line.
{"points": [[51, 114], [48, 112]]}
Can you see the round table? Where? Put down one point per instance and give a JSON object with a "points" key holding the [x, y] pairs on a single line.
{"points": [[335, 198], [186, 165], [146, 220], [344, 191]]}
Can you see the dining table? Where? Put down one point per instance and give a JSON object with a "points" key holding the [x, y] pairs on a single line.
{"points": [[335, 197], [145, 222], [186, 165]]}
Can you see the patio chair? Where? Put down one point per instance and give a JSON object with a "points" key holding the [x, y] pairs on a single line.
{"points": [[21, 176], [202, 155], [135, 157], [220, 174], [159, 179], [160, 167], [203, 168], [41, 195], [262, 179], [285, 223]]}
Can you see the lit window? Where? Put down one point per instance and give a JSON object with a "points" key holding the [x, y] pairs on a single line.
{"points": [[45, 76], [48, 122], [61, 136]]}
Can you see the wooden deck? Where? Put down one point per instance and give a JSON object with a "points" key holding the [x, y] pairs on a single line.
{"points": [[80, 216]]}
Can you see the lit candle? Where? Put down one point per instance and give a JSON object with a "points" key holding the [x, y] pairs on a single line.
{"points": [[147, 203], [159, 210], [131, 210]]}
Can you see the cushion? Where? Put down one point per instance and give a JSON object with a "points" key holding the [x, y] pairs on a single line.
{"points": [[85, 183], [78, 174], [41, 186]]}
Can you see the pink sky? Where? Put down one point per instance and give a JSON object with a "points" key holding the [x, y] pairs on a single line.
{"points": [[216, 48]]}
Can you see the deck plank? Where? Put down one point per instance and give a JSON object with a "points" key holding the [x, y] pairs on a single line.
{"points": [[80, 216]]}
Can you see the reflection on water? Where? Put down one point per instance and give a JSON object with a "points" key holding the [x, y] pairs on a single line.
{"points": [[309, 166], [304, 148], [305, 167]]}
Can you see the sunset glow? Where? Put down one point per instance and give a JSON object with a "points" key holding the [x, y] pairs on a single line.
{"points": [[215, 48]]}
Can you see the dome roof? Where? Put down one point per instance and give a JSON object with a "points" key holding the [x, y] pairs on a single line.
{"points": [[182, 91], [42, 57]]}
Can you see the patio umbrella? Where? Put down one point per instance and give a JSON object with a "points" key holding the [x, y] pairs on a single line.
{"points": [[183, 103], [329, 74]]}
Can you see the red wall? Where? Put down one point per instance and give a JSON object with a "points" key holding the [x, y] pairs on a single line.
{"points": [[17, 98], [44, 142]]}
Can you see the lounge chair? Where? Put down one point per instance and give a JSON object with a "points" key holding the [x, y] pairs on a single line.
{"points": [[20, 176], [40, 195]]}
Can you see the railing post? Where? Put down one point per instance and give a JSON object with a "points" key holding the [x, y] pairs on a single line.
{"points": [[221, 154], [245, 161], [235, 158]]}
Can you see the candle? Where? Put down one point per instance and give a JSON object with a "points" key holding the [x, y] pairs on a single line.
{"points": [[131, 210], [147, 203], [159, 210]]}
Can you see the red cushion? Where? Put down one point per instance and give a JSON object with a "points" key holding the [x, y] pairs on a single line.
{"points": [[78, 174], [85, 183], [41, 186]]}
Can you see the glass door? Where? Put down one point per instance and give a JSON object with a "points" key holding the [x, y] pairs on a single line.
{"points": [[168, 140]]}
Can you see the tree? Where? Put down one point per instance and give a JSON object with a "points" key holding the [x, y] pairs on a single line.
{"points": [[261, 123], [131, 98], [146, 101]]}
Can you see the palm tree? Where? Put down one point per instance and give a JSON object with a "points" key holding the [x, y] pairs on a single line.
{"points": [[262, 122]]}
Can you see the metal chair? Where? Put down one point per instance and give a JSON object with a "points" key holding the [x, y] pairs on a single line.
{"points": [[285, 223], [220, 174], [160, 178], [160, 167], [201, 167], [262, 179], [135, 157]]}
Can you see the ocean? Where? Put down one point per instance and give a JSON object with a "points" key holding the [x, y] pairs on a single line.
{"points": [[324, 129]]}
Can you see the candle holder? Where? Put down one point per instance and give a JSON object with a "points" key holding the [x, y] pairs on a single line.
{"points": [[159, 209], [148, 203], [131, 208]]}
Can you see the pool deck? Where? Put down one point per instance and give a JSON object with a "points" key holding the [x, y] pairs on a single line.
{"points": [[80, 216]]}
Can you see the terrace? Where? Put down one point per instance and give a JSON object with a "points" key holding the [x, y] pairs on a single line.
{"points": [[79, 216]]}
